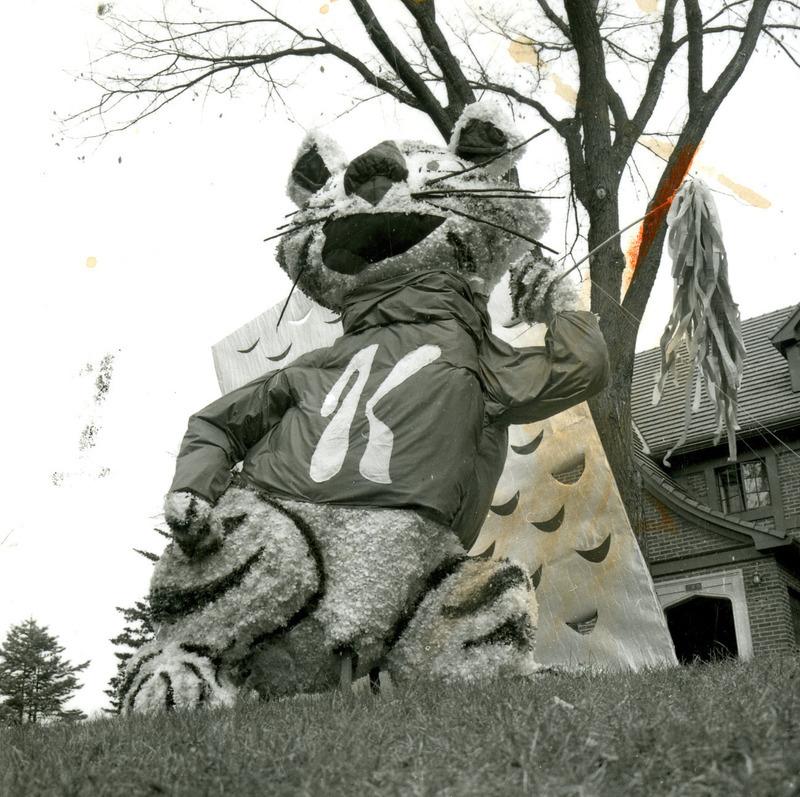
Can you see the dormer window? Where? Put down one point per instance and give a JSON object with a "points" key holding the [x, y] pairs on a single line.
{"points": [[787, 341], [743, 486]]}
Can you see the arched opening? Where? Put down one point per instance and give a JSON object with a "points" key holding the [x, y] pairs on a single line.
{"points": [[702, 629]]}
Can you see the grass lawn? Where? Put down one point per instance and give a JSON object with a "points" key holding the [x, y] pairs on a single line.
{"points": [[729, 728]]}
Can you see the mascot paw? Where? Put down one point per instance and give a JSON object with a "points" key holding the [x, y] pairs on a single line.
{"points": [[188, 517], [175, 676], [538, 291]]}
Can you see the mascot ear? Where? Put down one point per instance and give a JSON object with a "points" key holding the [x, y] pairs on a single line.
{"points": [[484, 131], [318, 158]]}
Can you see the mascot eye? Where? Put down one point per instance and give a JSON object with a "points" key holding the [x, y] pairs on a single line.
{"points": [[479, 140], [310, 171]]}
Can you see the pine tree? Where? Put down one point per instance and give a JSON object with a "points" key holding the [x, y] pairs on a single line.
{"points": [[137, 631], [35, 681]]}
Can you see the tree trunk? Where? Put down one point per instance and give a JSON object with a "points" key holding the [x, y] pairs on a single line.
{"points": [[611, 409]]}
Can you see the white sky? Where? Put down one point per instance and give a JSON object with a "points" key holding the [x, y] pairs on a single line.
{"points": [[174, 211]]}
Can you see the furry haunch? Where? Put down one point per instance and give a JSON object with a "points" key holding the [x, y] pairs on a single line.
{"points": [[363, 470]]}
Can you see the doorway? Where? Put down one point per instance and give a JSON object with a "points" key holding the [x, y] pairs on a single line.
{"points": [[703, 629]]}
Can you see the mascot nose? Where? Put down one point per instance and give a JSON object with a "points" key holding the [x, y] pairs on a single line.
{"points": [[374, 172]]}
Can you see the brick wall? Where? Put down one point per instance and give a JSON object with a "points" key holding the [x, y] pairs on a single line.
{"points": [[768, 606], [784, 469], [768, 610], [789, 473], [694, 484], [669, 536]]}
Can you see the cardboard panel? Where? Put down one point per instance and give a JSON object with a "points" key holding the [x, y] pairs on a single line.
{"points": [[261, 346]]}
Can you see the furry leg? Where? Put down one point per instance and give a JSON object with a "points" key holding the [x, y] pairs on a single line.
{"points": [[376, 563], [263, 579], [478, 623]]}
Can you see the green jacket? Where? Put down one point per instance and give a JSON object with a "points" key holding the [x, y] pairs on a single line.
{"points": [[409, 408]]}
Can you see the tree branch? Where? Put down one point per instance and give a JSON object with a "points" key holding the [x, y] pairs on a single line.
{"points": [[592, 103], [735, 67], [523, 99], [185, 70], [392, 55], [627, 136], [555, 19], [459, 93], [699, 118], [694, 27], [787, 52]]}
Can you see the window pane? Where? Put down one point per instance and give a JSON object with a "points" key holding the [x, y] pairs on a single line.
{"points": [[756, 486], [730, 492], [794, 606]]}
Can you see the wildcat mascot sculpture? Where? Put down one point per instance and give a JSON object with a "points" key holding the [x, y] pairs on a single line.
{"points": [[325, 508]]}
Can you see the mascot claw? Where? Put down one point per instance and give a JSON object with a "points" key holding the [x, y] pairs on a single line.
{"points": [[188, 517]]}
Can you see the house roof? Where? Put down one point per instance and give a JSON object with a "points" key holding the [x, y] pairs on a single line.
{"points": [[765, 398]]}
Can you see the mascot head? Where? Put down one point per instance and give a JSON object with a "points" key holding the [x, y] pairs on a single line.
{"points": [[402, 207]]}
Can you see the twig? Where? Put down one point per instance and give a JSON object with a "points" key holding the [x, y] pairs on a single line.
{"points": [[493, 224], [608, 240], [487, 162]]}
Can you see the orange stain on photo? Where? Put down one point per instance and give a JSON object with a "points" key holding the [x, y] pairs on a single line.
{"points": [[649, 228], [324, 9], [91, 262], [742, 191], [658, 146]]}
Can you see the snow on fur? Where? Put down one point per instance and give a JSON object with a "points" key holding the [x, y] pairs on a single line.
{"points": [[478, 237], [174, 678], [293, 584]]}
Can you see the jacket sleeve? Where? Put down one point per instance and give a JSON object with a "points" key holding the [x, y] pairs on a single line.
{"points": [[220, 435], [528, 384]]}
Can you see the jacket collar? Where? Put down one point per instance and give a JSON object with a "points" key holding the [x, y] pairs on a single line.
{"points": [[418, 298]]}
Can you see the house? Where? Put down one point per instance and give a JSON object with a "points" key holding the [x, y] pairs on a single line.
{"points": [[722, 539]]}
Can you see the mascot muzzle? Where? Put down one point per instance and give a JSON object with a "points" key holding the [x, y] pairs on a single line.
{"points": [[356, 242]]}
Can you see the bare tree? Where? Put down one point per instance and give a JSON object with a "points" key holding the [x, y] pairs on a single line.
{"points": [[430, 55]]}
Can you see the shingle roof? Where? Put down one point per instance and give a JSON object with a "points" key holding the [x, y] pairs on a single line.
{"points": [[765, 397]]}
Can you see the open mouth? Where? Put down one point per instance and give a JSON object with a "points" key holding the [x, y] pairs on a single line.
{"points": [[354, 242]]}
